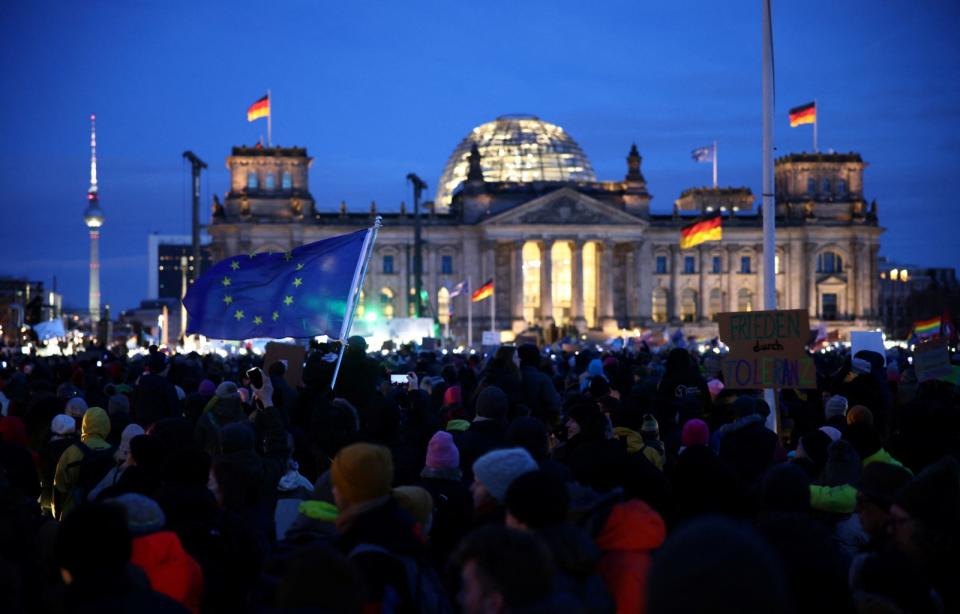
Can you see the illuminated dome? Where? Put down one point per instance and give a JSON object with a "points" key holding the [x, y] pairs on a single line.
{"points": [[516, 148]]}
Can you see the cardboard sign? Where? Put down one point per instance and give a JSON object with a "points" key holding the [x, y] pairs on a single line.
{"points": [[867, 340], [289, 354], [767, 349], [931, 360], [490, 338]]}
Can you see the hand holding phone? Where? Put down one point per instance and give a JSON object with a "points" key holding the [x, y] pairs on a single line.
{"points": [[255, 376], [398, 379]]}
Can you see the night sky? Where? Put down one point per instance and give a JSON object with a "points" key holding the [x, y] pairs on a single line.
{"points": [[377, 90]]}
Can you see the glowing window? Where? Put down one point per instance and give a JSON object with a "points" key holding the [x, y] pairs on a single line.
{"points": [[252, 181], [386, 302], [688, 305], [531, 280], [285, 181], [269, 182], [443, 306], [590, 283], [744, 300], [716, 302], [561, 280], [659, 310]]}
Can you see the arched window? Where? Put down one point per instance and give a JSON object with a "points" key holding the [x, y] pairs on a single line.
{"points": [[252, 181], [285, 181], [269, 182], [590, 283], [531, 280], [659, 307], [826, 186], [829, 262], [443, 306], [811, 186], [744, 300], [386, 303], [688, 305], [841, 188], [716, 301]]}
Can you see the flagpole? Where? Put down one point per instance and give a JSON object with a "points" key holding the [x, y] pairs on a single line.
{"points": [[493, 308], [269, 119], [469, 313], [816, 120], [354, 297], [715, 154], [769, 226]]}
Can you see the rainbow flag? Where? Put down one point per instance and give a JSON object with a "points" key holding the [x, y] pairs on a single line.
{"points": [[698, 232], [484, 291], [260, 108], [804, 114], [927, 328]]}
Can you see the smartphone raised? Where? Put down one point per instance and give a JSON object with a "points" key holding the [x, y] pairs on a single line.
{"points": [[256, 377], [398, 379]]}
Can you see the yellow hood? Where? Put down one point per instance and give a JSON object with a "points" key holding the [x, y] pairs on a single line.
{"points": [[96, 423]]}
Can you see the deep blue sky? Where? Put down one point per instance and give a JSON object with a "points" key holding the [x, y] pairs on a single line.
{"points": [[376, 90]]}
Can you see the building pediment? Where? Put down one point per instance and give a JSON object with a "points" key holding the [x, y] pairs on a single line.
{"points": [[565, 206], [832, 280]]}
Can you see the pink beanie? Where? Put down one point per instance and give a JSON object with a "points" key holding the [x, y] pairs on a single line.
{"points": [[452, 396], [715, 387], [695, 433], [442, 453]]}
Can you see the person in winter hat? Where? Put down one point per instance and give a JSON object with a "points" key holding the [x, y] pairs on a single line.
{"points": [[859, 413], [122, 457], [694, 433], [416, 501], [96, 427], [453, 505], [835, 411], [652, 448], [159, 553], [494, 471], [488, 430], [225, 408], [62, 436]]}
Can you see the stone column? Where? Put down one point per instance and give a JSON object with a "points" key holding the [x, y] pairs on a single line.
{"points": [[863, 279], [731, 291], [673, 299], [797, 274], [702, 271], [546, 282], [644, 281], [576, 283], [489, 272], [608, 320], [630, 285], [812, 298], [516, 286]]}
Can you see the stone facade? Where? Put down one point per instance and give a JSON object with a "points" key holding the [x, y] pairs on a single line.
{"points": [[590, 254]]}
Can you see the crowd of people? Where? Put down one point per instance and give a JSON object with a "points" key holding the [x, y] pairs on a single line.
{"points": [[529, 480]]}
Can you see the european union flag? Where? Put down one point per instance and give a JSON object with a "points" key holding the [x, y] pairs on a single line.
{"points": [[703, 154], [302, 293]]}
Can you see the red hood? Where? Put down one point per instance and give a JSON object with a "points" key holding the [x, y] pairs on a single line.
{"points": [[158, 550], [632, 525]]}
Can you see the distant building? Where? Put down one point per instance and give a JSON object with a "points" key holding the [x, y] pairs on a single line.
{"points": [[24, 302], [910, 293], [518, 203], [165, 258]]}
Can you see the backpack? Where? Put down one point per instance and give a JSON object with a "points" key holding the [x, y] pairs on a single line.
{"points": [[94, 465], [423, 584]]}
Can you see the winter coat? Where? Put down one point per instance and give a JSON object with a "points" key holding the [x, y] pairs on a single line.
{"points": [[703, 483], [632, 531], [577, 559], [96, 426], [219, 413], [539, 394], [170, 569], [50, 455], [117, 594], [480, 438], [748, 446], [452, 511], [153, 398]]}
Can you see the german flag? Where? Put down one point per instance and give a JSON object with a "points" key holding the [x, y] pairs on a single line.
{"points": [[260, 108], [804, 114], [484, 291], [696, 233]]}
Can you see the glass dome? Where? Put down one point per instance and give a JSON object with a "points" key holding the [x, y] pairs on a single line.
{"points": [[516, 148]]}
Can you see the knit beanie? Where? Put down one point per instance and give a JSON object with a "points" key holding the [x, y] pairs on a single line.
{"points": [[416, 501], [835, 407], [933, 497], [859, 413], [207, 387], [144, 515], [442, 453], [227, 390], [843, 464], [63, 424], [880, 482], [362, 471], [492, 403], [496, 470], [831, 432], [815, 446], [452, 396], [129, 432], [695, 433], [76, 407], [715, 387]]}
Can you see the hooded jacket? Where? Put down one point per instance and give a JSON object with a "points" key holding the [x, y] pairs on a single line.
{"points": [[170, 569], [220, 412], [93, 434], [632, 531]]}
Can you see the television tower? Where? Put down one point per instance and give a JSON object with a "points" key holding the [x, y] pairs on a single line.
{"points": [[93, 218]]}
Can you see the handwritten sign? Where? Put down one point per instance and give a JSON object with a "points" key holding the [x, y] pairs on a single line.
{"points": [[931, 360], [767, 349]]}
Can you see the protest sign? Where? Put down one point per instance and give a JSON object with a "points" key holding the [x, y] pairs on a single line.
{"points": [[867, 340], [767, 349], [491, 338], [931, 360], [292, 356]]}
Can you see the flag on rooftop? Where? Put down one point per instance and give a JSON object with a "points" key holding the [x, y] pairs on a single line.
{"points": [[703, 154], [303, 293], [699, 232], [484, 291], [804, 114], [260, 108]]}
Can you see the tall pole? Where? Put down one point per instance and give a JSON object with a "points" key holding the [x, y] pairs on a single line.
{"points": [[716, 153], [493, 308], [269, 119], [196, 165], [769, 227], [418, 186], [184, 267], [816, 120], [469, 294]]}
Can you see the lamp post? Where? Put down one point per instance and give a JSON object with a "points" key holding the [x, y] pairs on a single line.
{"points": [[419, 185]]}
